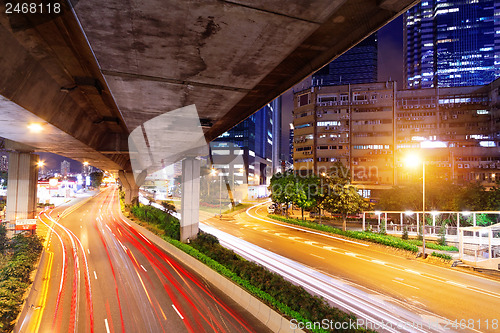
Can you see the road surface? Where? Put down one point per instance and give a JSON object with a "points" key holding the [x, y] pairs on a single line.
{"points": [[437, 294], [98, 274]]}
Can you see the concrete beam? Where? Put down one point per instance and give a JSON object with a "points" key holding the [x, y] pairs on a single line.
{"points": [[190, 199], [22, 186]]}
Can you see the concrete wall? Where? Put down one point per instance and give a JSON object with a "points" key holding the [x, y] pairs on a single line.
{"points": [[272, 319]]}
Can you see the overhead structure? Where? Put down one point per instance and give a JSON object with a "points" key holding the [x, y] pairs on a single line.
{"points": [[95, 71]]}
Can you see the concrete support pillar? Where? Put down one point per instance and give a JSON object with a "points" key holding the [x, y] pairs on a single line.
{"points": [[401, 221], [190, 200], [129, 186], [364, 220], [22, 186], [385, 221], [490, 236], [458, 222], [418, 224], [460, 244]]}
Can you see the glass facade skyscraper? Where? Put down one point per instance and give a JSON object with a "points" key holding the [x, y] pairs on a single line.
{"points": [[358, 65], [452, 43]]}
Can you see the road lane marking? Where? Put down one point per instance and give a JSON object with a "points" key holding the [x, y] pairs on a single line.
{"points": [[399, 279], [329, 248], [144, 268], [317, 256], [81, 227], [107, 326], [178, 312], [378, 262], [350, 254], [412, 271], [405, 284], [456, 284], [95, 275], [267, 240], [311, 243], [88, 251]]}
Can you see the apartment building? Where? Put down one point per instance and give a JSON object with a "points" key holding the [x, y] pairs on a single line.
{"points": [[372, 127]]}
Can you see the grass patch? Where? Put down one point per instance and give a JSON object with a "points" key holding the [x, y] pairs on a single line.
{"points": [[367, 236]]}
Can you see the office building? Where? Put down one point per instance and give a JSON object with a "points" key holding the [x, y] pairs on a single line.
{"points": [[257, 140], [452, 43], [4, 163], [372, 127], [358, 65], [65, 168]]}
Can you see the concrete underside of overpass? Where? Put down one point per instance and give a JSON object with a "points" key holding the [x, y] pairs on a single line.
{"points": [[98, 70]]}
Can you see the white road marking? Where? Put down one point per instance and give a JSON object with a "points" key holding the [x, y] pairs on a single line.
{"points": [[95, 275], [398, 278], [144, 268], [405, 284], [350, 254], [310, 243], [107, 326], [178, 312], [456, 284], [267, 240], [81, 227], [88, 251], [412, 271], [378, 262], [317, 256], [329, 248]]}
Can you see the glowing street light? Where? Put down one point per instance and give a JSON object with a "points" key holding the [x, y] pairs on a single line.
{"points": [[40, 164], [86, 163], [414, 160], [35, 127]]}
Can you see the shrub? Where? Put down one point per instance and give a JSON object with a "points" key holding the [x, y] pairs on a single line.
{"points": [[441, 255], [169, 224], [367, 236], [15, 277], [405, 233]]}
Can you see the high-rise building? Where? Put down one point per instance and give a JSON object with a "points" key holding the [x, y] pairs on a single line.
{"points": [[4, 163], [372, 127], [259, 142], [65, 170], [452, 43], [358, 65]]}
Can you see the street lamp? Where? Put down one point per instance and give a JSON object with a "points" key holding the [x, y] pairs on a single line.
{"points": [[214, 173], [412, 161]]}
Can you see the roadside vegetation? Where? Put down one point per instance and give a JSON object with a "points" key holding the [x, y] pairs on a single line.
{"points": [[18, 257], [290, 300], [384, 239], [442, 256]]}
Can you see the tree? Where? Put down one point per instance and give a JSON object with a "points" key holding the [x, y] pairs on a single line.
{"points": [[306, 192], [96, 179], [282, 188], [341, 197]]}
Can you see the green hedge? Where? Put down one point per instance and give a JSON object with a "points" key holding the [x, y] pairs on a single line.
{"points": [[433, 246], [15, 276], [166, 222], [367, 236], [441, 255]]}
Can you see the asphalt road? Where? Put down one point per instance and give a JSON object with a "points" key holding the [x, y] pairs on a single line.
{"points": [[440, 294], [98, 274]]}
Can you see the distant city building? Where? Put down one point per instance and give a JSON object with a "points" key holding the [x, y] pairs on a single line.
{"points": [[65, 170], [452, 43], [4, 163], [290, 142], [358, 65], [372, 127], [258, 138]]}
